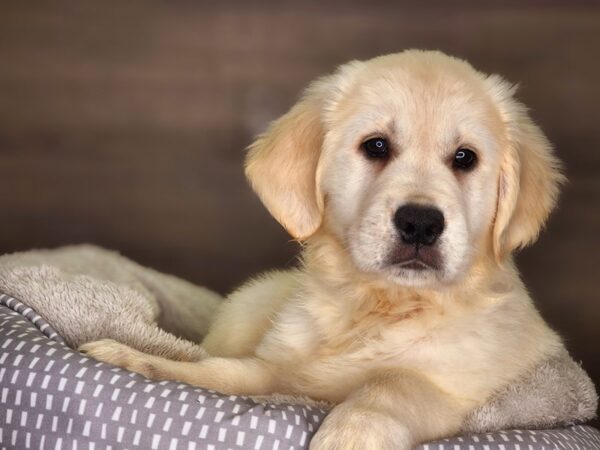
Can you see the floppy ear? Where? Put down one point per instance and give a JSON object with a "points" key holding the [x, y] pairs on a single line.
{"points": [[530, 175], [282, 163]]}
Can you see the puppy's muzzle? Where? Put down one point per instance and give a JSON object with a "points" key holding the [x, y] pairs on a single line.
{"points": [[419, 225]]}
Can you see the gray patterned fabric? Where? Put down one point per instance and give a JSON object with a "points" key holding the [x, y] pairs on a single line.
{"points": [[52, 397]]}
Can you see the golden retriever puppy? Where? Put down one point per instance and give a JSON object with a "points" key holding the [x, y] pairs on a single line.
{"points": [[410, 179]]}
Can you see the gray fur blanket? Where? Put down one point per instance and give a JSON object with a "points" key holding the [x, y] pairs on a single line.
{"points": [[87, 293]]}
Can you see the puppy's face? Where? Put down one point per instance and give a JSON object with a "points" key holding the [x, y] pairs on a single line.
{"points": [[414, 161], [409, 171]]}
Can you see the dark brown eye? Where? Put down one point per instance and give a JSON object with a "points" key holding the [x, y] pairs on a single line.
{"points": [[376, 148], [464, 159]]}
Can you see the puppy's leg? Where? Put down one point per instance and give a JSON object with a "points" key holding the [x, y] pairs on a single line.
{"points": [[149, 338], [395, 410], [244, 376]]}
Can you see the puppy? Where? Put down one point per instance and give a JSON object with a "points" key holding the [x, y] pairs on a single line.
{"points": [[410, 179]]}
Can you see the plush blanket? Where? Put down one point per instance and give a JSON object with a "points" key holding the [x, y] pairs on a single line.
{"points": [[87, 293]]}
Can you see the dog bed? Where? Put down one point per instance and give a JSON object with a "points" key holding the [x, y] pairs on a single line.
{"points": [[53, 397]]}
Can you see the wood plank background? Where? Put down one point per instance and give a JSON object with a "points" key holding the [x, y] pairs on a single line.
{"points": [[124, 124]]}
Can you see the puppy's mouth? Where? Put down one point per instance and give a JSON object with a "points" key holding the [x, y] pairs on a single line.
{"points": [[415, 257]]}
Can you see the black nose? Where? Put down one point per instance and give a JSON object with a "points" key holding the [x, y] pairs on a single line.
{"points": [[419, 224]]}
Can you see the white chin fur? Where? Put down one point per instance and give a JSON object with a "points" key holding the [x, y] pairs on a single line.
{"points": [[413, 278]]}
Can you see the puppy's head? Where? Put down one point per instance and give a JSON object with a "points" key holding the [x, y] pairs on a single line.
{"points": [[415, 161]]}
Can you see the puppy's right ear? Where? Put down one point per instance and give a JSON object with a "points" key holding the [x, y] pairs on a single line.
{"points": [[282, 163]]}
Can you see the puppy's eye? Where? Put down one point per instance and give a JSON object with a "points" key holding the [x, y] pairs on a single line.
{"points": [[464, 159], [376, 148]]}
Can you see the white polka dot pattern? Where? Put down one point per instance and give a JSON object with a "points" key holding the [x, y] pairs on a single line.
{"points": [[54, 398]]}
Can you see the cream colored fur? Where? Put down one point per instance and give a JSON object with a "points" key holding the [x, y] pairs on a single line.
{"points": [[406, 354]]}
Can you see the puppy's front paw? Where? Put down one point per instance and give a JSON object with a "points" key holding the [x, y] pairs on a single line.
{"points": [[348, 428], [113, 352], [107, 350]]}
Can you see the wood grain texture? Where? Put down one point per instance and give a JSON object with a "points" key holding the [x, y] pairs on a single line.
{"points": [[124, 124]]}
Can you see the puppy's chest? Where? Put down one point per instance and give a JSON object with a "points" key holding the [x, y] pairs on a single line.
{"points": [[348, 348], [381, 331]]}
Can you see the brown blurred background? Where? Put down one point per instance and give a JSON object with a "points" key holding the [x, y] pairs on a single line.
{"points": [[124, 124]]}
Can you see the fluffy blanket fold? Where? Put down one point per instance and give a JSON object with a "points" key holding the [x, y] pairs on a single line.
{"points": [[88, 293]]}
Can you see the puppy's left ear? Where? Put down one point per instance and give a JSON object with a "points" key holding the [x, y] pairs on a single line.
{"points": [[530, 175]]}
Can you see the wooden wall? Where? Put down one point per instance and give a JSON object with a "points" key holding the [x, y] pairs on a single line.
{"points": [[124, 124]]}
